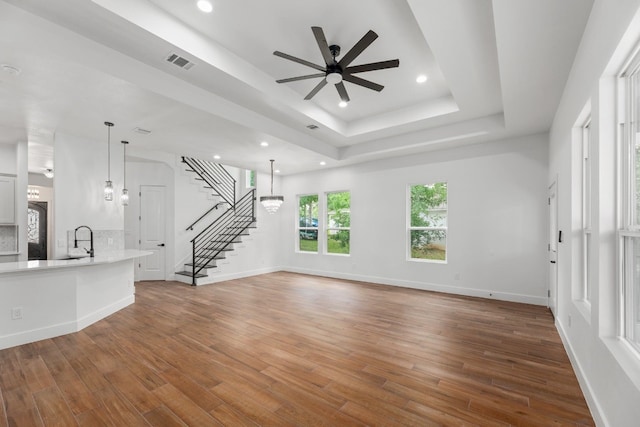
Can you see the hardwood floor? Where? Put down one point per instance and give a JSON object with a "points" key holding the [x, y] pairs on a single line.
{"points": [[285, 349]]}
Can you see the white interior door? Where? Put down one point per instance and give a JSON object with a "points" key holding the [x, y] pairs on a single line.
{"points": [[152, 232], [553, 248]]}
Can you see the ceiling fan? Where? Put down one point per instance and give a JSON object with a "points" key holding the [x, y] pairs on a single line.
{"points": [[335, 72]]}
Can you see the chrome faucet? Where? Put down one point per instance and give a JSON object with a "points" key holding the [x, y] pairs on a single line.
{"points": [[76, 240]]}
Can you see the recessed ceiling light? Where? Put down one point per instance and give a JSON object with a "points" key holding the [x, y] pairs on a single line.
{"points": [[277, 171], [205, 6], [421, 78], [342, 104], [10, 69], [216, 156], [264, 144], [323, 163]]}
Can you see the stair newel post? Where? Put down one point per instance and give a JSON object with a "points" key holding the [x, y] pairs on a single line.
{"points": [[253, 203], [193, 267]]}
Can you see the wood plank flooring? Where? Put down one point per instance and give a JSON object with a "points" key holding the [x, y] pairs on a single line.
{"points": [[286, 349]]}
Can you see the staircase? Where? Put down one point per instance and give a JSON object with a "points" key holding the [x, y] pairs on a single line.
{"points": [[218, 238]]}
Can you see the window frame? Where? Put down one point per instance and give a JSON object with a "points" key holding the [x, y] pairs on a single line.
{"points": [[587, 197], [628, 292], [328, 228], [302, 229], [411, 228]]}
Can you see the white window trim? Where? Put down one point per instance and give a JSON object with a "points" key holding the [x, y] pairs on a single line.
{"points": [[411, 228], [327, 229], [299, 229], [587, 197], [627, 190]]}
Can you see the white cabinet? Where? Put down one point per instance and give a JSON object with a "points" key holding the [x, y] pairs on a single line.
{"points": [[7, 200]]}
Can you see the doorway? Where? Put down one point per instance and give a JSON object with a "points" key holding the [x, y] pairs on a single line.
{"points": [[152, 232], [37, 230], [553, 248]]}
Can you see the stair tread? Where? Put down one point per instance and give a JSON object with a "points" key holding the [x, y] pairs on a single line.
{"points": [[190, 274], [190, 264]]}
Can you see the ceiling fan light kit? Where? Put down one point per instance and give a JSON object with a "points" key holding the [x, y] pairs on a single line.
{"points": [[336, 72]]}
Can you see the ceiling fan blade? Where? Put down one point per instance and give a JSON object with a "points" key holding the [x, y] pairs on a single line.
{"points": [[299, 61], [316, 89], [295, 79], [362, 82], [357, 49], [342, 91], [322, 44], [373, 66]]}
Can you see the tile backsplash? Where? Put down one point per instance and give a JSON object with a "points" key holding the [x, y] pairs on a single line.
{"points": [[8, 238], [103, 241]]}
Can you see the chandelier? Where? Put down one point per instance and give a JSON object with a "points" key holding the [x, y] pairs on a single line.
{"points": [[271, 203]]}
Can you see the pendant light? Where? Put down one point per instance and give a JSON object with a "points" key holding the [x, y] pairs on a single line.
{"points": [[108, 186], [124, 197], [271, 203]]}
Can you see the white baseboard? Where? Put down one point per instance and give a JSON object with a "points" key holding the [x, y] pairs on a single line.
{"points": [[25, 337], [51, 331], [585, 386], [482, 293], [103, 312], [221, 277]]}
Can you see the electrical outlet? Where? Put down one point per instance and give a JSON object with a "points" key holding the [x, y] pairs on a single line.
{"points": [[16, 313], [110, 241]]}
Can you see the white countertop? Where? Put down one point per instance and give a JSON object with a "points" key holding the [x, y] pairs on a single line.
{"points": [[105, 258]]}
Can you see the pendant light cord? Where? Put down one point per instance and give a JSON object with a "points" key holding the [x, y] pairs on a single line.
{"points": [[108, 153], [271, 177]]}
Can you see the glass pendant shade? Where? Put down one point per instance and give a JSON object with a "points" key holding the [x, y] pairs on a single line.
{"points": [[124, 197], [108, 187], [271, 203], [108, 191]]}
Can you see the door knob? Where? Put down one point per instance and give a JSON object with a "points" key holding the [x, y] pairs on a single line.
{"points": [[161, 244]]}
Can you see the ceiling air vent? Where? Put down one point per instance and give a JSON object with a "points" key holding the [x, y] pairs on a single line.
{"points": [[141, 131], [181, 62], [312, 127]]}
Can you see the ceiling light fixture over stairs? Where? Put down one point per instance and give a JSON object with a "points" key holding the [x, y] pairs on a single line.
{"points": [[271, 203]]}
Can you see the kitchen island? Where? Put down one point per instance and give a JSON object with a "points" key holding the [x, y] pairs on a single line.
{"points": [[45, 299]]}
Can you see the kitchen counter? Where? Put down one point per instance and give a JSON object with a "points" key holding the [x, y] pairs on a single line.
{"points": [[45, 299], [105, 258]]}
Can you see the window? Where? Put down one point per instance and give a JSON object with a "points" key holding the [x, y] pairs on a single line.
{"points": [[428, 222], [250, 178], [308, 223], [586, 209], [33, 226], [630, 230], [338, 222]]}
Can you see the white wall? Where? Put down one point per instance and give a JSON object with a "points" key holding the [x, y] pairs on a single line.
{"points": [[8, 163], [497, 237], [22, 179], [81, 172], [609, 373]]}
